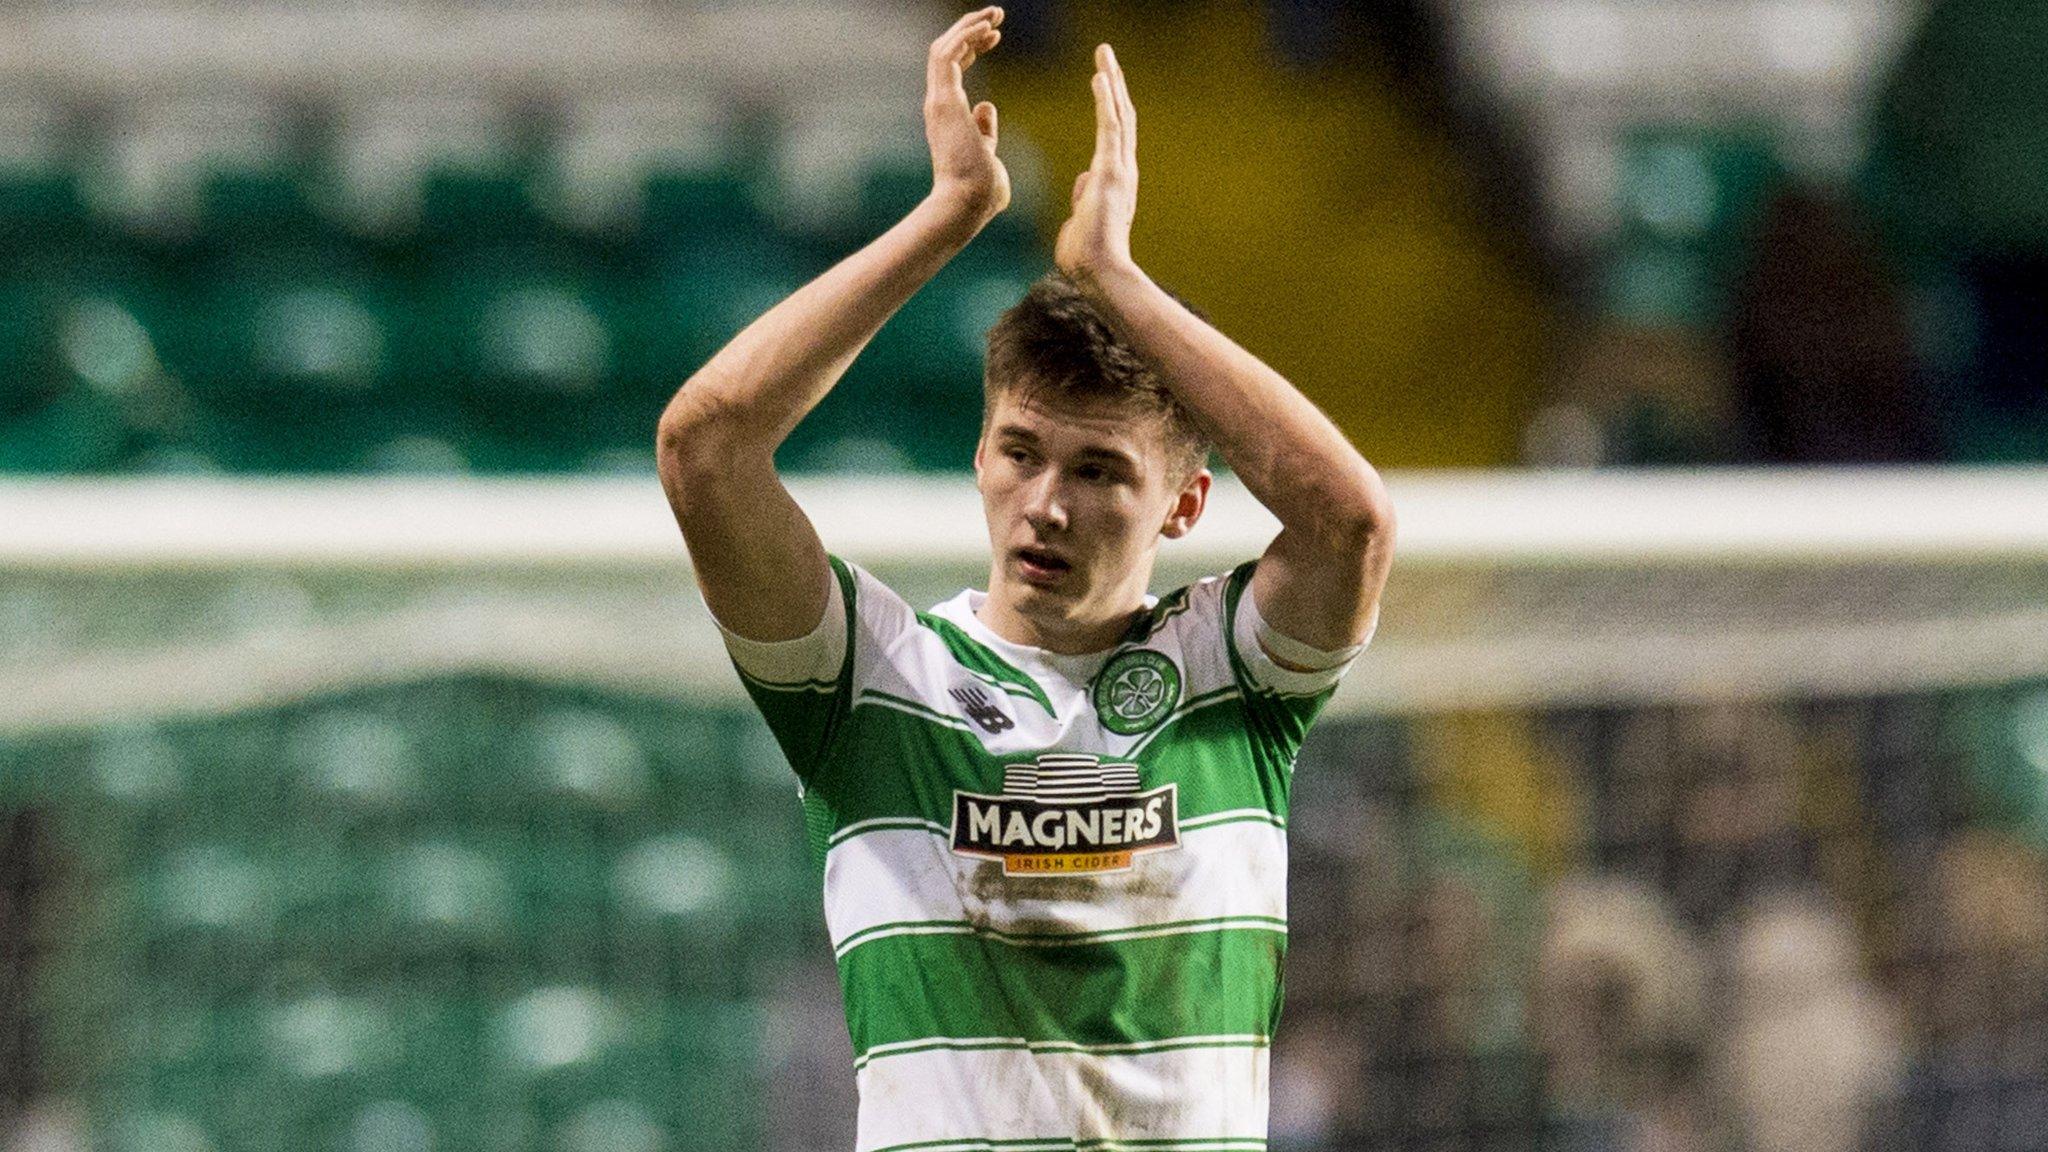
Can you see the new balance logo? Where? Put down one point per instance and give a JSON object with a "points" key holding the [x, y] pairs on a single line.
{"points": [[982, 710]]}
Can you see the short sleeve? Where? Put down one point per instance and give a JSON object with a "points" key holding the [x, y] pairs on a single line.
{"points": [[803, 687], [807, 659], [1313, 670], [1280, 703]]}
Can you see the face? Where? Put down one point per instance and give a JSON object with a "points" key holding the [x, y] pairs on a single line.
{"points": [[1078, 497]]}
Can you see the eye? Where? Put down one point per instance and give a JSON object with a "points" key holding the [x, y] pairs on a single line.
{"points": [[1016, 455], [1092, 473]]}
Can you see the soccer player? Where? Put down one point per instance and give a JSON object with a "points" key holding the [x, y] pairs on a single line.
{"points": [[1050, 816]]}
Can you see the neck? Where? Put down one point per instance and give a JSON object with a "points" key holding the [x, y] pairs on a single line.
{"points": [[1016, 615]]}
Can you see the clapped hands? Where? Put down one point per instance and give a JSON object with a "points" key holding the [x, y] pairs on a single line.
{"points": [[969, 178]]}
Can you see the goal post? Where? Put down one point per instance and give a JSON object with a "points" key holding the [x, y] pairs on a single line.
{"points": [[159, 597]]}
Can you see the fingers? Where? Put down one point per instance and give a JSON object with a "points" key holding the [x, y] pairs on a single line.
{"points": [[1127, 112], [985, 119], [1108, 149], [1116, 118], [957, 47]]}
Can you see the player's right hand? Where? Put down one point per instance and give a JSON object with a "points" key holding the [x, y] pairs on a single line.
{"points": [[965, 169]]}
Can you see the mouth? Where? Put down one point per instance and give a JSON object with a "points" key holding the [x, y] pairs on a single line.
{"points": [[1041, 566]]}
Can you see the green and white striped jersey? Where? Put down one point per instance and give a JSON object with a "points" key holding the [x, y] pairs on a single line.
{"points": [[1056, 886]]}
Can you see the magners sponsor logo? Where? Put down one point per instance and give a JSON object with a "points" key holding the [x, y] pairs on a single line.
{"points": [[1066, 814]]}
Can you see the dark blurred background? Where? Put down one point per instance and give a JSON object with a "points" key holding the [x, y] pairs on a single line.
{"points": [[480, 908]]}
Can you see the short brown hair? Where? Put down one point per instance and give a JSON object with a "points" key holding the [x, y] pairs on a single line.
{"points": [[1056, 345]]}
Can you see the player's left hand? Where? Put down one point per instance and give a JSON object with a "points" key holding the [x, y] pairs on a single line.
{"points": [[1097, 237]]}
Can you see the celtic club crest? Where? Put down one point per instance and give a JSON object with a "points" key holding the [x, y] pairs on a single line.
{"points": [[1135, 691]]}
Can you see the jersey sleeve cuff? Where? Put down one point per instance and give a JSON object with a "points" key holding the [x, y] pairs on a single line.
{"points": [[1312, 669], [810, 659]]}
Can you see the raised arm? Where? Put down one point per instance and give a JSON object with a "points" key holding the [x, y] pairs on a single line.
{"points": [[756, 555], [1319, 581]]}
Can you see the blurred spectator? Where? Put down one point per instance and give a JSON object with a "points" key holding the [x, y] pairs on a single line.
{"points": [[1451, 1076], [1618, 1005], [1808, 1051], [1706, 800], [1407, 970], [24, 867], [1974, 968], [1820, 344]]}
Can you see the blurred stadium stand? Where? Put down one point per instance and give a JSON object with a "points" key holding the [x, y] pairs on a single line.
{"points": [[1680, 811], [500, 252]]}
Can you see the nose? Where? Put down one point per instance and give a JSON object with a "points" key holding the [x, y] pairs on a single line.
{"points": [[1045, 507]]}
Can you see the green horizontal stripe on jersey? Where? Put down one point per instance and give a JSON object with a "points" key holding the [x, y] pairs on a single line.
{"points": [[1054, 939], [1086, 1144], [1224, 982], [898, 759]]}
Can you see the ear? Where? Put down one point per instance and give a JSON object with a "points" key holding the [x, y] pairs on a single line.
{"points": [[980, 446], [1188, 505]]}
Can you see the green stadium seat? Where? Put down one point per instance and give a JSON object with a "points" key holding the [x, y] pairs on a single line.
{"points": [[556, 1031], [2001, 741], [239, 780], [1695, 185], [214, 887], [586, 756], [247, 204], [1687, 199], [917, 386], [366, 763], [392, 1125], [331, 917], [326, 1037], [612, 1125], [158, 1131], [1655, 282], [517, 342], [564, 914], [697, 301], [24, 346], [687, 207], [41, 202], [94, 392], [138, 765], [444, 1048], [73, 360], [294, 323], [442, 894], [292, 354], [464, 204], [677, 877]]}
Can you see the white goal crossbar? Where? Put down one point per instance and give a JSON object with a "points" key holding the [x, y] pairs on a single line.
{"points": [[140, 598]]}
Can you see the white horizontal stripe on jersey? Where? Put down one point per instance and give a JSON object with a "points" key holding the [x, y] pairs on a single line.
{"points": [[1209, 1092], [891, 876]]}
